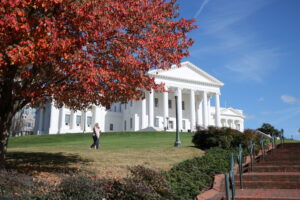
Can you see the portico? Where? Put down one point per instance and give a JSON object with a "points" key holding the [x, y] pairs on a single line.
{"points": [[194, 108]]}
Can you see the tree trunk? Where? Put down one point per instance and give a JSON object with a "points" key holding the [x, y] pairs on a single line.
{"points": [[6, 115], [10, 103], [4, 135]]}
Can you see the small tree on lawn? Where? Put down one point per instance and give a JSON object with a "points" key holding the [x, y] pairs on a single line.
{"points": [[269, 129], [82, 52]]}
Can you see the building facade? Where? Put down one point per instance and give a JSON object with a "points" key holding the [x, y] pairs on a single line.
{"points": [[198, 102]]}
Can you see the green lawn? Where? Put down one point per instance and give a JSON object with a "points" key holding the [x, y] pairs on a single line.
{"points": [[107, 140], [118, 151]]}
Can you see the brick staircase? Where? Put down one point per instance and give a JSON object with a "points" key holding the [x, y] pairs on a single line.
{"points": [[275, 177]]}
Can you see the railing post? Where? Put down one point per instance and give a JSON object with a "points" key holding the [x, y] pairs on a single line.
{"points": [[240, 160], [232, 182], [227, 187], [250, 148], [262, 146], [273, 140]]}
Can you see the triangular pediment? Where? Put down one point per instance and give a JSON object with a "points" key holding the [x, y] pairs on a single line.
{"points": [[187, 71], [231, 112]]}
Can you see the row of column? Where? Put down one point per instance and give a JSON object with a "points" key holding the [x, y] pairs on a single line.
{"points": [[203, 109], [73, 124]]}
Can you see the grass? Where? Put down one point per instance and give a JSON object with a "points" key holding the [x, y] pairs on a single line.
{"points": [[118, 151]]}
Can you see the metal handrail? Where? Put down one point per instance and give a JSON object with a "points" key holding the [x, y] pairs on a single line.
{"points": [[227, 187], [250, 149], [232, 182], [273, 141], [262, 146], [240, 161]]}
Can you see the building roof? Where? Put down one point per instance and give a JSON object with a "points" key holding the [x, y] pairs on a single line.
{"points": [[232, 112], [187, 72]]}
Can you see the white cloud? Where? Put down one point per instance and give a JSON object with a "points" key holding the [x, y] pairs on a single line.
{"points": [[284, 114], [255, 65], [261, 99], [288, 99], [224, 15], [292, 113], [250, 116], [201, 8], [247, 55]]}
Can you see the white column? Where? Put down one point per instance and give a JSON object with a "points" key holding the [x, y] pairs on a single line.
{"points": [[179, 106], [151, 108], [205, 113], [84, 120], [200, 113], [61, 120], [242, 125], [73, 120], [41, 117], [143, 125], [208, 110], [166, 108], [192, 110], [218, 115]]}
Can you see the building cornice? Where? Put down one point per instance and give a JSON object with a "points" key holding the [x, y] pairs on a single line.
{"points": [[184, 80]]}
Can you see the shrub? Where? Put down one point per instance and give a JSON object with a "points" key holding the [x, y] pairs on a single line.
{"points": [[78, 187], [225, 138], [144, 184], [14, 184], [191, 177]]}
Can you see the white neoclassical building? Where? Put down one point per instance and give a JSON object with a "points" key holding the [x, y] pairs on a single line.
{"points": [[198, 103]]}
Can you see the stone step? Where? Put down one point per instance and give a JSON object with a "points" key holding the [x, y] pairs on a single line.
{"points": [[267, 194], [288, 145], [282, 157], [276, 168], [271, 176], [269, 185], [277, 162], [296, 149], [283, 152]]}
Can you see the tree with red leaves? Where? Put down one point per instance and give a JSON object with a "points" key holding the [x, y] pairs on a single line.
{"points": [[82, 52]]}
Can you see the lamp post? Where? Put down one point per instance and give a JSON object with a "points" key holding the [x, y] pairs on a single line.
{"points": [[177, 142], [167, 123], [84, 120]]}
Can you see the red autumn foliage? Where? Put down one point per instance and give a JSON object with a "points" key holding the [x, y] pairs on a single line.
{"points": [[82, 52]]}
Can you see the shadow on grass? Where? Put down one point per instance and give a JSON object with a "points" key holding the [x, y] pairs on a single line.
{"points": [[30, 162]]}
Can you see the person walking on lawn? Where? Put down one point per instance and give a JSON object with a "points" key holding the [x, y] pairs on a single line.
{"points": [[96, 136]]}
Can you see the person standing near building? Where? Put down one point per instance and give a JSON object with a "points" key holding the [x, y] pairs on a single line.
{"points": [[96, 136]]}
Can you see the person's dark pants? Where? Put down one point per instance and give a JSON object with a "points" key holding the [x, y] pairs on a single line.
{"points": [[96, 142]]}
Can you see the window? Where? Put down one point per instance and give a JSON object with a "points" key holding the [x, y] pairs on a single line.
{"points": [[89, 121], [125, 125], [111, 127], [131, 103], [125, 106], [67, 119], [183, 124], [171, 125], [28, 124], [156, 122], [170, 103], [156, 102], [238, 127], [130, 122], [182, 105], [78, 120], [115, 108]]}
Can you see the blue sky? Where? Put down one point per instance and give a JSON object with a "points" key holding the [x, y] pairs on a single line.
{"points": [[253, 46]]}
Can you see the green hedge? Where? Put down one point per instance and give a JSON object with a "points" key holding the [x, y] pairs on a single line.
{"points": [[225, 138], [191, 177]]}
